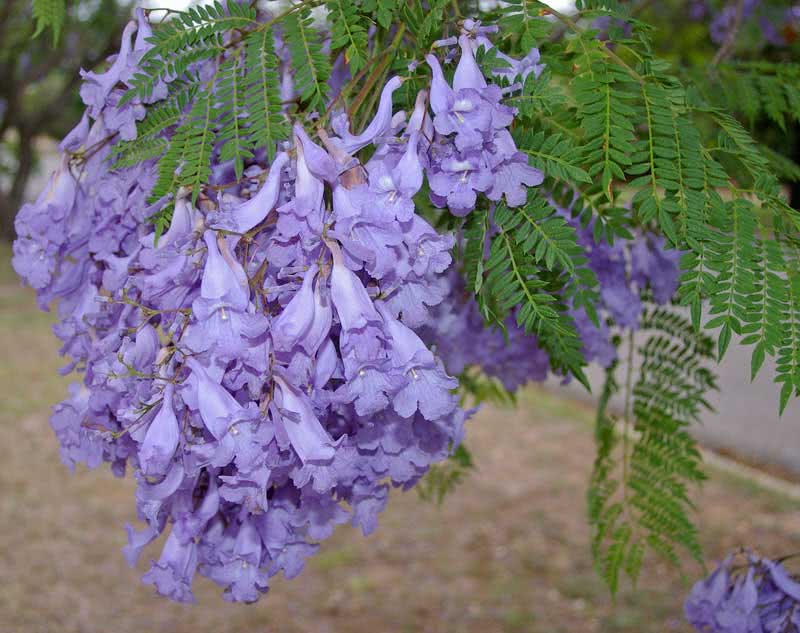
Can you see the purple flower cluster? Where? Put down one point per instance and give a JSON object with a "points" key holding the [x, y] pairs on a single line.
{"points": [[283, 354], [759, 596], [471, 150], [258, 366], [624, 270], [513, 357]]}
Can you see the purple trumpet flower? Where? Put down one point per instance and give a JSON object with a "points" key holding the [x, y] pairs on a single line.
{"points": [[220, 279], [96, 87], [218, 409], [306, 319], [396, 187], [137, 541], [427, 387], [251, 213], [380, 124], [281, 380], [224, 320], [353, 305], [308, 187], [457, 182], [191, 523], [463, 111], [162, 437], [77, 136], [300, 424], [320, 163], [142, 354], [172, 574], [240, 571]]}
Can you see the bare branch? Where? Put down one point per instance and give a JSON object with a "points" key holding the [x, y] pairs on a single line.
{"points": [[726, 50]]}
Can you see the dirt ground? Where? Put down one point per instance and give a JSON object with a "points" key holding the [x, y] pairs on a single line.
{"points": [[507, 552]]}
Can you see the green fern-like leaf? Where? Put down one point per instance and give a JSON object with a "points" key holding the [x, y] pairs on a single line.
{"points": [[603, 97], [552, 243], [788, 352], [524, 18], [783, 167], [646, 461], [764, 327], [187, 162], [423, 21], [697, 280], [266, 124], [49, 14], [731, 257], [383, 10], [738, 142], [151, 133], [476, 234], [670, 162], [196, 34], [348, 32], [230, 112], [754, 89], [514, 282], [311, 66], [540, 98], [555, 154]]}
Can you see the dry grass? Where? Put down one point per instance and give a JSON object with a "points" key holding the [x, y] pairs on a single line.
{"points": [[507, 551]]}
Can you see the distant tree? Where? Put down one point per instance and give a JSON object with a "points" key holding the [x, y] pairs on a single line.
{"points": [[40, 78]]}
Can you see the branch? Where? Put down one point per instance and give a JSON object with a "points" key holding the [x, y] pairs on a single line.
{"points": [[569, 23], [730, 40], [558, 33]]}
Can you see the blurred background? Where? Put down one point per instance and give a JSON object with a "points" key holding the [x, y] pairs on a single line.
{"points": [[507, 551]]}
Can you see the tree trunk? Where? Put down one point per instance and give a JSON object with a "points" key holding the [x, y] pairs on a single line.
{"points": [[10, 202]]}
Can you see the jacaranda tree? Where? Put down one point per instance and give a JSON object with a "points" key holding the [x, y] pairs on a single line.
{"points": [[291, 248]]}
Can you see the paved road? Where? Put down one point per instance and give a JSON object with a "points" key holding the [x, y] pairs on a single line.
{"points": [[745, 421]]}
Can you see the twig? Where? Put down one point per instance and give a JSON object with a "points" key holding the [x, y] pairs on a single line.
{"points": [[730, 40], [378, 71], [627, 415], [558, 33], [573, 26]]}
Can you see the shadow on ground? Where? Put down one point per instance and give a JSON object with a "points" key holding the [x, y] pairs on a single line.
{"points": [[507, 551]]}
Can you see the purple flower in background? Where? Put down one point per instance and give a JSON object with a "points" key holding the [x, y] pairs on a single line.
{"points": [[707, 596], [759, 596], [653, 264]]}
